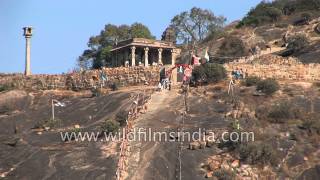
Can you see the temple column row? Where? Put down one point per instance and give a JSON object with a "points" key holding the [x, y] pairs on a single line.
{"points": [[146, 56]]}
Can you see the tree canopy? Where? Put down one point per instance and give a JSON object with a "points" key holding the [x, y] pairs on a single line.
{"points": [[195, 25], [271, 11], [98, 52]]}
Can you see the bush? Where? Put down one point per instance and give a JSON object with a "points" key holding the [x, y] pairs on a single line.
{"points": [[257, 154], [5, 87], [215, 72], [110, 126], [121, 118], [251, 81], [280, 113], [231, 47], [114, 86], [297, 42], [312, 124], [223, 174], [209, 72], [268, 86], [307, 16]]}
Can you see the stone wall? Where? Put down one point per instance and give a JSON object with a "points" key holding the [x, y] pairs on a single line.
{"points": [[271, 66], [122, 76]]}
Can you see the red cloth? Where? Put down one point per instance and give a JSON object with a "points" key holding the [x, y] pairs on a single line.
{"points": [[195, 60]]}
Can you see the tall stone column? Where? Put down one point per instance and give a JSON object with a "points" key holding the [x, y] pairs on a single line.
{"points": [[133, 56], [27, 71], [146, 56], [173, 57], [174, 54], [160, 56], [27, 34]]}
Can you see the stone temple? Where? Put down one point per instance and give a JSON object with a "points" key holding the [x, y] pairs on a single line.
{"points": [[143, 52]]}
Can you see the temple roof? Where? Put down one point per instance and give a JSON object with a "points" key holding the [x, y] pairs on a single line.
{"points": [[143, 42]]}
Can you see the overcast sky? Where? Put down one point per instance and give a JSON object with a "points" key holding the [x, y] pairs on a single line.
{"points": [[63, 27]]}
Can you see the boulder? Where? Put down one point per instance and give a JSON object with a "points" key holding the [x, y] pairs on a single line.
{"points": [[209, 174], [202, 144], [214, 165], [235, 164], [194, 145]]}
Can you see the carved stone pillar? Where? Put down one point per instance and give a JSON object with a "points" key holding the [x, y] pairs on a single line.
{"points": [[160, 56], [173, 57], [174, 54], [133, 56], [146, 57]]}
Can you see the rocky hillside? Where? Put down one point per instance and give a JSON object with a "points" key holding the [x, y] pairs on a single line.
{"points": [[240, 40]]}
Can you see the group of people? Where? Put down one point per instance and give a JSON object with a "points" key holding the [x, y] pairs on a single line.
{"points": [[238, 74], [164, 83]]}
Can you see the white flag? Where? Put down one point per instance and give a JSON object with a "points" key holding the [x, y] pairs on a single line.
{"points": [[58, 103], [206, 55]]}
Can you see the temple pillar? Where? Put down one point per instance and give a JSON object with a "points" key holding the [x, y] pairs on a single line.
{"points": [[133, 56], [173, 57], [146, 57], [160, 56]]}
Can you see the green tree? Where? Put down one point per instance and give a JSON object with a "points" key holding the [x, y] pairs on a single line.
{"points": [[139, 30], [98, 52], [195, 25]]}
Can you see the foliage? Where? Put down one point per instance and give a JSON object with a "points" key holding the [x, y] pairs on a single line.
{"points": [[312, 124], [257, 154], [251, 81], [110, 126], [268, 86], [297, 42], [262, 13], [209, 72], [223, 174], [307, 16], [282, 112], [48, 123], [114, 86], [231, 47], [121, 117], [196, 24], [269, 12], [5, 87], [99, 54]]}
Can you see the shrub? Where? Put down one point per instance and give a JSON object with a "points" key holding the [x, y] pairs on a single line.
{"points": [[268, 86], [48, 123], [231, 47], [199, 73], [5, 109], [257, 154], [110, 126], [251, 81], [307, 16], [5, 87], [215, 72], [114, 86], [312, 124], [121, 118], [223, 174], [209, 72], [280, 113], [297, 42]]}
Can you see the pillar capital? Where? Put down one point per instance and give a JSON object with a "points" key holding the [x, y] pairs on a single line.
{"points": [[133, 48], [146, 49]]}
